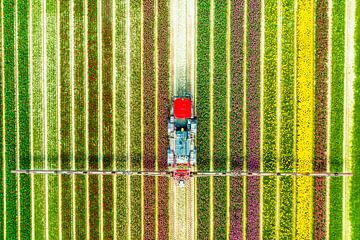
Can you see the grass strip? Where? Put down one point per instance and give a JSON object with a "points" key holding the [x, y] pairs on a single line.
{"points": [[305, 117], [220, 150], [355, 151], [120, 119], [203, 111], [52, 130], [149, 122], [135, 117], [287, 118], [321, 86], [253, 110], [270, 119], [65, 132], [163, 112], [337, 117], [10, 119], [107, 116], [80, 128], [24, 114], [236, 136], [37, 99]]}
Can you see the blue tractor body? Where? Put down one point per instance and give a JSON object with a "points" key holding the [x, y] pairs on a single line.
{"points": [[182, 127]]}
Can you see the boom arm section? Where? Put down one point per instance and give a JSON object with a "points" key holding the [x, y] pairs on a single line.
{"points": [[94, 172], [192, 173]]}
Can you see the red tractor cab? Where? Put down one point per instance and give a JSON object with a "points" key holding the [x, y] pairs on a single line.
{"points": [[182, 108]]}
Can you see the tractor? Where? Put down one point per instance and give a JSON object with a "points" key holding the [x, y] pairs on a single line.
{"points": [[182, 126]]}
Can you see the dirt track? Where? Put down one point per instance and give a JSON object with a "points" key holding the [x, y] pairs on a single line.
{"points": [[182, 210]]}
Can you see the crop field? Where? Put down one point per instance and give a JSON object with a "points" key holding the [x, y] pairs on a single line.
{"points": [[88, 84]]}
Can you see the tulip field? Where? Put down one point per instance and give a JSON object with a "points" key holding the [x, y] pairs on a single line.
{"points": [[88, 85]]}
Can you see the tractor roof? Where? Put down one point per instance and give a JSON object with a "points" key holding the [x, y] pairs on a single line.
{"points": [[182, 108]]}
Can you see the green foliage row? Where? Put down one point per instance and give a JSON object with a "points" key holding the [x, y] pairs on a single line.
{"points": [[337, 116], [121, 207], [65, 94], [135, 118], [53, 182], [220, 88], [135, 83], [37, 126], [336, 208], [53, 207], [286, 206], [136, 207], [51, 88], [203, 110], [203, 83], [269, 207], [93, 206], [220, 119], [220, 207], [79, 79], [10, 119], [203, 218], [269, 119], [270, 87], [121, 158], [287, 87], [287, 118], [24, 111], [337, 85]]}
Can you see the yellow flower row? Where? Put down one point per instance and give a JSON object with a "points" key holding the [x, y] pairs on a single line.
{"points": [[305, 119]]}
